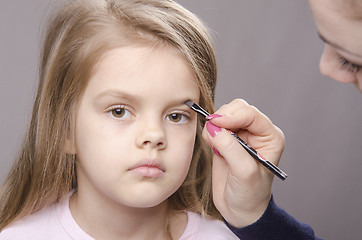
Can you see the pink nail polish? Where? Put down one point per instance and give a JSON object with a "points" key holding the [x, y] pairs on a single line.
{"points": [[216, 151], [212, 129], [212, 116]]}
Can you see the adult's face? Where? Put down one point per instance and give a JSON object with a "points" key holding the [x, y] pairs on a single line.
{"points": [[340, 29]]}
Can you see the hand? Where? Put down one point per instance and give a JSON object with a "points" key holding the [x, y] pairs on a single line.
{"points": [[241, 185]]}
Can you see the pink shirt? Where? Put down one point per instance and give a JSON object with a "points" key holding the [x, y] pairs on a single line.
{"points": [[57, 223]]}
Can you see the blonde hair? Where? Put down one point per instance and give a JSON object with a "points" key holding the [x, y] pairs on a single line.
{"points": [[77, 36]]}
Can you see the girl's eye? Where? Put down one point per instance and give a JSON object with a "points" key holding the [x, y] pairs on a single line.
{"points": [[119, 112], [350, 67], [177, 117]]}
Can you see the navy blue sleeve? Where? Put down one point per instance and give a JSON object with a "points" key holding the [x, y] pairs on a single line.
{"points": [[275, 224]]}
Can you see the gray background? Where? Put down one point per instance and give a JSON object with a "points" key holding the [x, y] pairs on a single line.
{"points": [[268, 54]]}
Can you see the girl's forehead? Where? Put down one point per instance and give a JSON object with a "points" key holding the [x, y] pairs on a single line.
{"points": [[138, 53], [141, 70]]}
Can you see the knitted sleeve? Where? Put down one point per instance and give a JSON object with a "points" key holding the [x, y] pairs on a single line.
{"points": [[275, 224]]}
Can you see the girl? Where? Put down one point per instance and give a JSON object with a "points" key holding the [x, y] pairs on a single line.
{"points": [[112, 151]]}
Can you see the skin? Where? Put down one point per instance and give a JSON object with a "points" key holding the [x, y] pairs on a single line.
{"points": [[132, 112], [242, 186], [341, 32]]}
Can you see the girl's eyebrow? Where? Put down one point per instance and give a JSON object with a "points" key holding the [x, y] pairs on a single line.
{"points": [[116, 93], [337, 46], [180, 102], [113, 93]]}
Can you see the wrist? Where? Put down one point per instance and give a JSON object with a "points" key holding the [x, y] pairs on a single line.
{"points": [[243, 218]]}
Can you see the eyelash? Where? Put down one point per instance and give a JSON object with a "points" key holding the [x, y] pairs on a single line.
{"points": [[350, 67], [116, 107], [183, 115]]}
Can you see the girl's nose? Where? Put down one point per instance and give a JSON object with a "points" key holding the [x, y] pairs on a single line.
{"points": [[152, 136]]}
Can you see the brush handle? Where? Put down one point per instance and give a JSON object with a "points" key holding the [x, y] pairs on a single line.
{"points": [[274, 169]]}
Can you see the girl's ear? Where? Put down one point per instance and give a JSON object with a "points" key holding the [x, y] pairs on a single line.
{"points": [[69, 143], [69, 146]]}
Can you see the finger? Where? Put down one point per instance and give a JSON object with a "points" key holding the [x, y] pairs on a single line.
{"points": [[248, 122], [240, 115], [238, 160]]}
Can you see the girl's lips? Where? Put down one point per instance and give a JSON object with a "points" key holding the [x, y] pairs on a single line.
{"points": [[148, 168]]}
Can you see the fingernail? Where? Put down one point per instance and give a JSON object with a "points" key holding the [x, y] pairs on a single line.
{"points": [[211, 116], [212, 129], [216, 151]]}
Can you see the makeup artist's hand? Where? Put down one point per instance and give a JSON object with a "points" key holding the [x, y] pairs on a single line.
{"points": [[241, 185]]}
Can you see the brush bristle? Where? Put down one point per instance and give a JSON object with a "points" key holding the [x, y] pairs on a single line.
{"points": [[189, 103]]}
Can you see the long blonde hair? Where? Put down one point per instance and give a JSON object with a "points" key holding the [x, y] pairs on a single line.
{"points": [[78, 34]]}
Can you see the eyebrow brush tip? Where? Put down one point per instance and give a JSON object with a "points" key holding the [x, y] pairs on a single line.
{"points": [[189, 103], [197, 108]]}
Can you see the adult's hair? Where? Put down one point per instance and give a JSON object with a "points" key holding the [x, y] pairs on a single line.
{"points": [[79, 33]]}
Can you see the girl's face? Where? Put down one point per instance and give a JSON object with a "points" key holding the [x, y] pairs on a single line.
{"points": [[134, 136], [342, 56]]}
